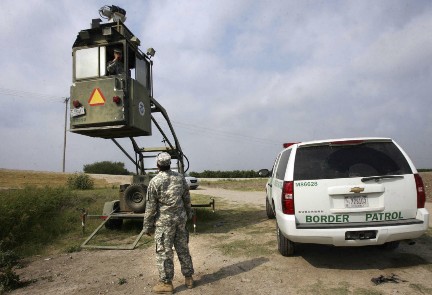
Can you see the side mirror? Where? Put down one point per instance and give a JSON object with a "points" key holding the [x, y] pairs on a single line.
{"points": [[264, 173]]}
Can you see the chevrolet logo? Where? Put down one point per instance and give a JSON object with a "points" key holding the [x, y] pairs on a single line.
{"points": [[357, 189]]}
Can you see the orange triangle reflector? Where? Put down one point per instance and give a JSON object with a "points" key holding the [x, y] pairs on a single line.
{"points": [[96, 98]]}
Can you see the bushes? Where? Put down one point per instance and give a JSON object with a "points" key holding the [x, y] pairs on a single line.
{"points": [[106, 167], [80, 181], [8, 278], [33, 216]]}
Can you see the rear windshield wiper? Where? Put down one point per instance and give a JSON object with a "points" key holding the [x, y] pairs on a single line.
{"points": [[376, 178]]}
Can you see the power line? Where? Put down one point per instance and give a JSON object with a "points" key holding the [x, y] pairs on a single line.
{"points": [[215, 132], [192, 128], [26, 94]]}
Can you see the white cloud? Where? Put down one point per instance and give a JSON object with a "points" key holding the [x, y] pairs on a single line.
{"points": [[239, 71], [400, 52]]}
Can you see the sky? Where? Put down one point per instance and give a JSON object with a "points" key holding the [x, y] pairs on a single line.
{"points": [[237, 78]]}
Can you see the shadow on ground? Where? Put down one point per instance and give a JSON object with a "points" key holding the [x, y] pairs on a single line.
{"points": [[228, 271], [368, 257]]}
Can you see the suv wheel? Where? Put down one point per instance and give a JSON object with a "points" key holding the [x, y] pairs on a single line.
{"points": [[285, 246], [269, 210]]}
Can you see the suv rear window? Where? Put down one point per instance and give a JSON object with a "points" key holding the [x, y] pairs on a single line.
{"points": [[329, 161]]}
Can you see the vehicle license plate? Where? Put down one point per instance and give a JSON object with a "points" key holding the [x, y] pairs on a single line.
{"points": [[77, 112], [356, 201]]}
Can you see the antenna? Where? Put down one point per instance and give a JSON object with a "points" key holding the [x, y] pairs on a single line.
{"points": [[113, 13]]}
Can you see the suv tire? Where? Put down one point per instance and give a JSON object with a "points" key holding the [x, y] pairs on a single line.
{"points": [[269, 210], [285, 246]]}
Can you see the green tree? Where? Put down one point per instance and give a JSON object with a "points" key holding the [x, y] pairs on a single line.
{"points": [[106, 167]]}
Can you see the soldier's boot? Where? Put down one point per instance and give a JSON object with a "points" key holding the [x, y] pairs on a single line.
{"points": [[163, 288], [189, 282]]}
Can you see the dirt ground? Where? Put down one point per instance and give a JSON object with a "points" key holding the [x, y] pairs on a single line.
{"points": [[315, 269]]}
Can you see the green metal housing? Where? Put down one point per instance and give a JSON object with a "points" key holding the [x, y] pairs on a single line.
{"points": [[110, 105], [120, 104]]}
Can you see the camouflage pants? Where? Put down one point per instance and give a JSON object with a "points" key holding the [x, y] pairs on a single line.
{"points": [[166, 237]]}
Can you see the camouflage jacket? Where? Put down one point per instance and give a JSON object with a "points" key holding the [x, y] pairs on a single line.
{"points": [[115, 67], [168, 201]]}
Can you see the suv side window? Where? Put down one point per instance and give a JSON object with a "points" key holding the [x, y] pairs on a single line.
{"points": [[273, 171], [282, 165]]}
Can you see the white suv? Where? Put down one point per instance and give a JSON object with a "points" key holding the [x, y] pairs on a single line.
{"points": [[192, 182], [345, 192]]}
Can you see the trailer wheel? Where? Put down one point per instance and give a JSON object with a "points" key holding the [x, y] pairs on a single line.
{"points": [[114, 224], [135, 197], [109, 208], [285, 246]]}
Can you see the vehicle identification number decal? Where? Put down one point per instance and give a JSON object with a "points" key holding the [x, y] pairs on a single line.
{"points": [[77, 112], [306, 183]]}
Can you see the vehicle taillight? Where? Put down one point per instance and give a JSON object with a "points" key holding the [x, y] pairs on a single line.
{"points": [[421, 194], [117, 99], [288, 144], [76, 103], [288, 197]]}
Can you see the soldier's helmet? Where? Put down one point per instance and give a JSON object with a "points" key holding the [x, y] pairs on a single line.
{"points": [[163, 159]]}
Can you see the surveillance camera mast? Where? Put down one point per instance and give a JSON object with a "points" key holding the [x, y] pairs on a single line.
{"points": [[112, 97], [112, 90]]}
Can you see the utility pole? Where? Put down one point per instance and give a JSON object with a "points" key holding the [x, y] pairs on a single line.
{"points": [[64, 143]]}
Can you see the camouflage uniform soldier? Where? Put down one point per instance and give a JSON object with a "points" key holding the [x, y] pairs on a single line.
{"points": [[115, 66], [167, 210]]}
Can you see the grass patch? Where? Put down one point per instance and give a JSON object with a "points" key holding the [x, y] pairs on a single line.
{"points": [[122, 281], [40, 220], [227, 217], [249, 247], [120, 237], [73, 249], [8, 278], [236, 227], [34, 216], [237, 184], [16, 179]]}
